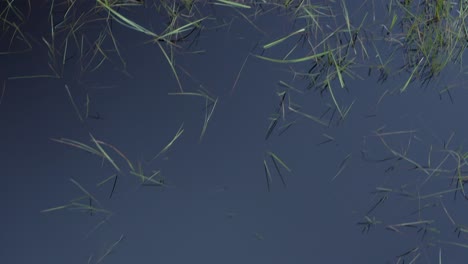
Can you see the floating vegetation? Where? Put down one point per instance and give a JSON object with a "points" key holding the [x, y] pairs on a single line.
{"points": [[330, 44], [426, 189], [277, 163], [75, 204]]}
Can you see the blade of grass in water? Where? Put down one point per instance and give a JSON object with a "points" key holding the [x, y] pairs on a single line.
{"points": [[238, 75], [333, 98], [267, 174], [338, 72], [125, 21], [290, 87], [79, 145], [3, 92], [73, 103], [32, 77], [208, 113], [177, 135], [96, 227], [271, 127], [275, 157], [342, 166], [132, 25], [308, 58], [233, 4], [87, 208], [207, 117], [171, 64], [399, 155], [61, 207], [278, 171], [118, 152], [308, 116], [85, 191], [329, 139], [411, 76], [200, 93], [110, 249], [149, 179], [106, 180], [276, 42], [104, 153], [113, 176], [285, 127]]}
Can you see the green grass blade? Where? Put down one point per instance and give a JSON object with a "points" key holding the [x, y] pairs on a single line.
{"points": [[104, 153], [303, 59], [276, 42], [267, 174], [85, 191], [73, 103], [233, 4], [275, 157], [177, 135]]}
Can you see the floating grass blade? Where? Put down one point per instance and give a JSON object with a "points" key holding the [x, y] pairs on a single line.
{"points": [[73, 103], [118, 152], [271, 127], [338, 72], [96, 227], [346, 17], [329, 139], [308, 116], [149, 179], [33, 77], [125, 21], [290, 87], [207, 117], [395, 133], [61, 207], [267, 174], [84, 191], [88, 208], [408, 252], [303, 59], [106, 180], [285, 127], [104, 153], [276, 42], [166, 148], [110, 249], [278, 171], [179, 30], [171, 64], [342, 166], [333, 98], [411, 76], [275, 157], [79, 145], [399, 155], [233, 4], [200, 94], [238, 74]]}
